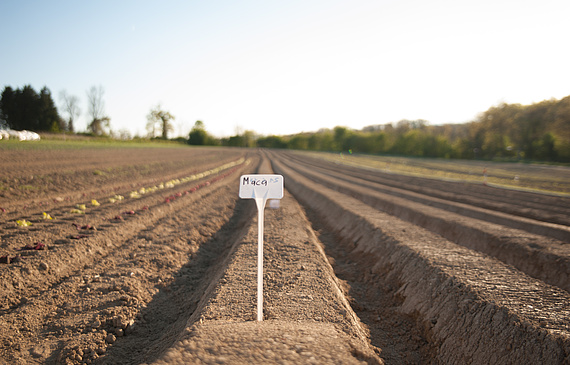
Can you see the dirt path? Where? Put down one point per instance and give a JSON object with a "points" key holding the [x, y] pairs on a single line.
{"points": [[356, 271]]}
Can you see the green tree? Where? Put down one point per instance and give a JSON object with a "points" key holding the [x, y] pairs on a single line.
{"points": [[561, 129], [299, 142], [544, 148], [8, 108], [271, 142], [27, 105], [532, 125], [340, 134], [198, 135], [244, 139], [321, 141], [48, 119], [26, 109]]}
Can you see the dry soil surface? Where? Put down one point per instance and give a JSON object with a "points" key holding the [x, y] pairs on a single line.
{"points": [[151, 258]]}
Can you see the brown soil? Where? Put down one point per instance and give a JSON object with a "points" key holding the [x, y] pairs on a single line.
{"points": [[360, 266]]}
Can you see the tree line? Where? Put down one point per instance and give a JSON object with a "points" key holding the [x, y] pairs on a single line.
{"points": [[25, 109], [540, 131]]}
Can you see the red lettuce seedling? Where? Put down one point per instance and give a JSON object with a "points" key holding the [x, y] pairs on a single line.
{"points": [[38, 246]]}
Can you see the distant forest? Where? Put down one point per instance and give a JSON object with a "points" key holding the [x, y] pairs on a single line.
{"points": [[536, 132]]}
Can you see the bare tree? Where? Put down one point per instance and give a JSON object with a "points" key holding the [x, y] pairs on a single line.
{"points": [[159, 119], [151, 126], [100, 123], [71, 107]]}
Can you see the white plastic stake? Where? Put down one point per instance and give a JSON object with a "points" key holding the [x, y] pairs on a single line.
{"points": [[260, 202], [260, 188]]}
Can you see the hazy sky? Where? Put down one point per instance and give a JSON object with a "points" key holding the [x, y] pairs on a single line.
{"points": [[280, 67]]}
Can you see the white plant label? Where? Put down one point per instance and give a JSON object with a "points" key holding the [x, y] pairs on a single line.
{"points": [[260, 188]]}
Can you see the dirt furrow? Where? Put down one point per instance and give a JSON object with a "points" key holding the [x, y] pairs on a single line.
{"points": [[307, 318], [542, 257], [105, 210], [174, 282], [165, 317], [534, 206], [62, 255], [557, 231], [88, 309], [474, 309], [56, 191]]}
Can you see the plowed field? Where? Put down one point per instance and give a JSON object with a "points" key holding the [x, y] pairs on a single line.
{"points": [[147, 255]]}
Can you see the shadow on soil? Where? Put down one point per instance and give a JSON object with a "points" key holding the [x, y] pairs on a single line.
{"points": [[178, 303], [374, 300]]}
